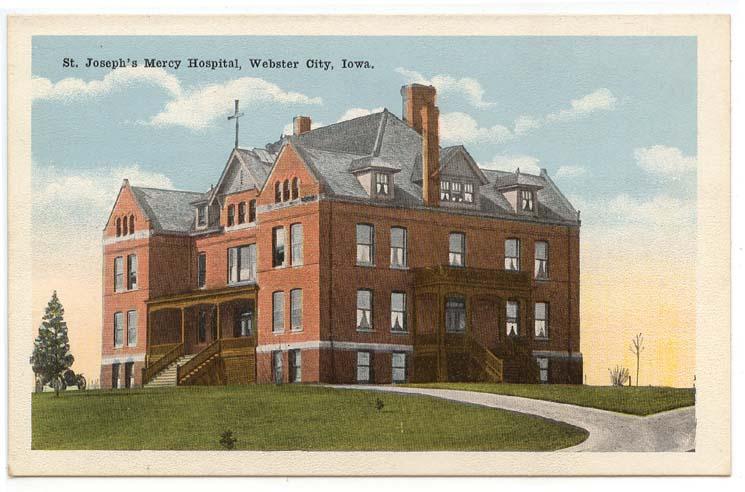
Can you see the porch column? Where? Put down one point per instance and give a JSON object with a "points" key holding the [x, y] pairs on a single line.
{"points": [[182, 325], [217, 320], [148, 335], [441, 360]]}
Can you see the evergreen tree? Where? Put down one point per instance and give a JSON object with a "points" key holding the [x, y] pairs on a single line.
{"points": [[52, 356]]}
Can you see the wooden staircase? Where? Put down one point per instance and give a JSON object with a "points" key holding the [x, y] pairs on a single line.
{"points": [[491, 366], [167, 376]]}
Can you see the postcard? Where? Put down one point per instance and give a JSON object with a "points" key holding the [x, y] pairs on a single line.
{"points": [[367, 245]]}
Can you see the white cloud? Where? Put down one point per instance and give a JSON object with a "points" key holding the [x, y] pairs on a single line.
{"points": [[463, 128], [570, 172], [526, 163], [70, 89], [447, 84], [289, 127], [659, 211], [660, 159], [525, 123], [352, 113], [200, 108], [599, 100]]}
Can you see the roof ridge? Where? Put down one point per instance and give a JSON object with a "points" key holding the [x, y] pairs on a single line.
{"points": [[170, 190], [381, 131], [342, 122]]}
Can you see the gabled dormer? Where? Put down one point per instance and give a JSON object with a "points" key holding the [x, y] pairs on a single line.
{"points": [[521, 191], [376, 175], [460, 178]]}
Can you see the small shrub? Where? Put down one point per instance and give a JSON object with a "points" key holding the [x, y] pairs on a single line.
{"points": [[227, 440], [619, 375], [379, 404]]}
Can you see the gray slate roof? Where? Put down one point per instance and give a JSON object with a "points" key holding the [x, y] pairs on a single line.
{"points": [[168, 210]]}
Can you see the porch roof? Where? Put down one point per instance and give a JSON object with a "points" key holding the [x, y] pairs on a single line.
{"points": [[206, 296]]}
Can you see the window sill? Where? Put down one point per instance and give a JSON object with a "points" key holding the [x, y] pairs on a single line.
{"points": [[542, 279], [456, 266], [240, 284], [297, 265], [126, 291], [541, 339], [117, 347], [394, 267], [365, 265], [365, 331], [399, 333], [277, 332], [279, 267], [296, 330]]}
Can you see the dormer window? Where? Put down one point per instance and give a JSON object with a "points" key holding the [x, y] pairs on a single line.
{"points": [[381, 184], [445, 191], [457, 191], [468, 192], [526, 200], [201, 215]]}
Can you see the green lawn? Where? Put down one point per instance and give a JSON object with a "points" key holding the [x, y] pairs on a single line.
{"points": [[642, 400], [289, 417]]}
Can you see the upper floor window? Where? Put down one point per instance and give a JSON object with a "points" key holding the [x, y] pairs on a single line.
{"points": [[526, 200], [118, 329], [118, 274], [202, 215], [398, 367], [364, 310], [125, 227], [455, 314], [118, 226], [242, 212], [398, 311], [278, 311], [296, 240], [295, 188], [512, 254], [513, 312], [278, 247], [131, 224], [241, 264], [445, 191], [296, 309], [132, 272], [252, 211], [365, 244], [277, 192], [541, 259], [457, 250], [286, 190], [364, 374], [456, 192], [381, 183], [231, 215], [468, 192], [398, 247], [131, 328], [202, 270], [541, 320]]}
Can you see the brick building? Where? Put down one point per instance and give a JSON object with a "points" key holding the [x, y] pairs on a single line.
{"points": [[356, 252]]}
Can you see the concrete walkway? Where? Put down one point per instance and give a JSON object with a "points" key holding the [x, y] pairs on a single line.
{"points": [[609, 431]]}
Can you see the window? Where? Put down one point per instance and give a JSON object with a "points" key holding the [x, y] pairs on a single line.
{"points": [[125, 229], [202, 326], [541, 320], [445, 191], [118, 330], [118, 274], [118, 227], [455, 315], [468, 192], [129, 374], [242, 212], [542, 369], [231, 215], [363, 367], [278, 247], [277, 367], [541, 259], [245, 324], [132, 328], [242, 264], [201, 270], [296, 309], [512, 254], [296, 365], [457, 253], [131, 224], [115, 368], [252, 211], [277, 192], [364, 310], [365, 244], [513, 311], [456, 192], [278, 311], [286, 190], [295, 188], [398, 247], [398, 361], [398, 312], [381, 183], [296, 240], [202, 215], [526, 200], [132, 272]]}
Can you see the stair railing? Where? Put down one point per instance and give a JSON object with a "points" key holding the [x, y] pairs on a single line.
{"points": [[183, 372], [150, 371], [491, 363]]}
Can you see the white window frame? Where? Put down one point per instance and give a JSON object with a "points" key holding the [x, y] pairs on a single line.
{"points": [[468, 193], [382, 184], [398, 367], [235, 264], [295, 363], [444, 191], [277, 246], [296, 310], [278, 311], [202, 218], [541, 264], [118, 329], [132, 330], [457, 258], [364, 366], [296, 244], [363, 310], [119, 280], [361, 246], [510, 320], [453, 324], [527, 198], [131, 272], [541, 324], [395, 313], [512, 263], [542, 369], [400, 250]]}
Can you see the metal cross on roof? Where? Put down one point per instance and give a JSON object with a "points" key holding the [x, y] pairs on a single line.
{"points": [[235, 117]]}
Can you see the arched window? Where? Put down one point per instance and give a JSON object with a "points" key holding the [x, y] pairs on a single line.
{"points": [[286, 190], [131, 224], [252, 211], [231, 215], [118, 227], [277, 192], [124, 226], [295, 188]]}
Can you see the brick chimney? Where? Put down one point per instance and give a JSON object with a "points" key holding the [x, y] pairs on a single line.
{"points": [[300, 125], [421, 114]]}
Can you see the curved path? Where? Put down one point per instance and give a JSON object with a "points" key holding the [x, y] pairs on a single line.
{"points": [[674, 430]]}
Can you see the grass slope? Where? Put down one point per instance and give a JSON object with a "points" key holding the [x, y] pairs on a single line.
{"points": [[642, 400], [289, 417]]}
